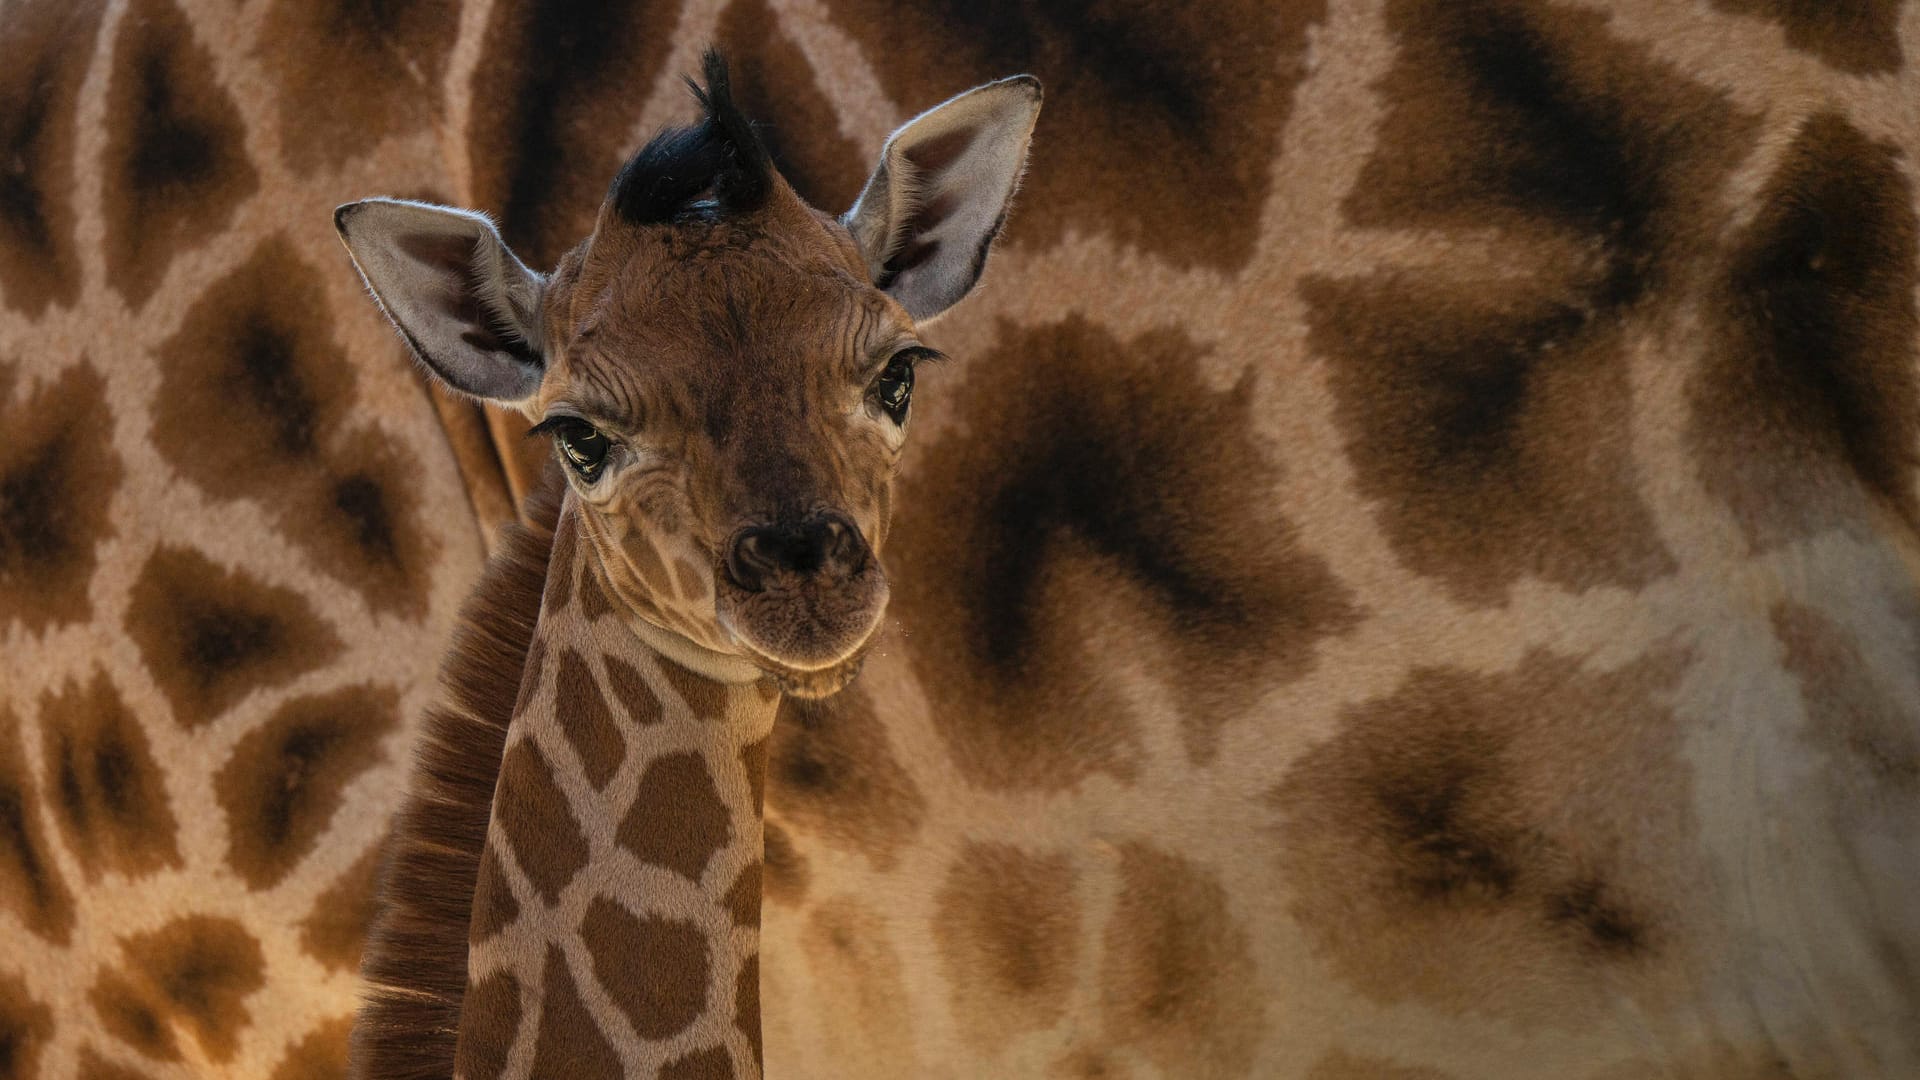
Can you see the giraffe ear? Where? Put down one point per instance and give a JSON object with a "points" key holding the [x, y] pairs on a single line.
{"points": [[466, 305], [937, 199]]}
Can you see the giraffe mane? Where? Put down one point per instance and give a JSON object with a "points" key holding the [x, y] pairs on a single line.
{"points": [[720, 154], [416, 954]]}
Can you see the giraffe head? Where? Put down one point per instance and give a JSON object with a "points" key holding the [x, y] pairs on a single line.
{"points": [[725, 372]]}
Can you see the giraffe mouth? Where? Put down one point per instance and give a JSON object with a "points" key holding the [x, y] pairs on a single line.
{"points": [[810, 635]]}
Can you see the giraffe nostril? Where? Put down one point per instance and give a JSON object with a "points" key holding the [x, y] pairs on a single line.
{"points": [[749, 559], [822, 543]]}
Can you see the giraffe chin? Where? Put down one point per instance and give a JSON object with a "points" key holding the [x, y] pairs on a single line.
{"points": [[811, 641]]}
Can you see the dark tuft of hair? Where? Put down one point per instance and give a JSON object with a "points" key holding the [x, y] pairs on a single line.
{"points": [[720, 157]]}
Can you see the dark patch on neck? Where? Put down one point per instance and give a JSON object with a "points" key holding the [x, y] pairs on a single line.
{"points": [[1606, 927], [1858, 37], [360, 499], [48, 47], [169, 149], [1445, 854], [112, 800], [286, 779], [210, 636], [176, 164], [58, 472], [1812, 376]]}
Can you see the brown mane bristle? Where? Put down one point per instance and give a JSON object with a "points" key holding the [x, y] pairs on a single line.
{"points": [[416, 955]]}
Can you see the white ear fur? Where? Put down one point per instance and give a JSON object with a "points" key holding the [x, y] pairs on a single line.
{"points": [[935, 202], [466, 305]]}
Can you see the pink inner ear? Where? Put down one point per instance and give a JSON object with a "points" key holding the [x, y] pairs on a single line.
{"points": [[925, 218], [451, 258]]}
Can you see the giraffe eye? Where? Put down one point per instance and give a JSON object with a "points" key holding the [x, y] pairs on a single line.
{"points": [[893, 390], [582, 445]]}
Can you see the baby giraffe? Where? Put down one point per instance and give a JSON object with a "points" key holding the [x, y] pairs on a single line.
{"points": [[573, 886]]}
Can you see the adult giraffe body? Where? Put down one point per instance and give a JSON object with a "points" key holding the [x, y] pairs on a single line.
{"points": [[1412, 577]]}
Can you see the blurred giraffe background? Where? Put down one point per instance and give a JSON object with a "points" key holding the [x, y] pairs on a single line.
{"points": [[1410, 573]]}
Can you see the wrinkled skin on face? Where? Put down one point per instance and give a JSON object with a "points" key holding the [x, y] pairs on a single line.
{"points": [[743, 493]]}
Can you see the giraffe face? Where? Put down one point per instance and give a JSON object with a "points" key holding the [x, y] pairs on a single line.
{"points": [[729, 397], [726, 373]]}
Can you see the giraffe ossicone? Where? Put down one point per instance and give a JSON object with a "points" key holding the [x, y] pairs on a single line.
{"points": [[726, 374]]}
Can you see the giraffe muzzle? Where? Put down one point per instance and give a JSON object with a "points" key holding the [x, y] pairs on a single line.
{"points": [[803, 597]]}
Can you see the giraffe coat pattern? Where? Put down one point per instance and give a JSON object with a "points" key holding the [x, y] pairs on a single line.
{"points": [[1410, 571]]}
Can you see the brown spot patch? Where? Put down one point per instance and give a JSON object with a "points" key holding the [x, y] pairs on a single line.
{"points": [[1857, 722], [211, 636], [537, 820], [358, 524], [835, 775], [853, 962], [58, 473], [594, 601], [746, 1006], [1083, 470], [321, 1055], [494, 907], [677, 819], [546, 136], [30, 885], [1859, 37], [753, 760], [489, 1020], [192, 975], [48, 47], [1490, 843], [709, 1064], [1177, 982], [285, 779], [351, 72], [336, 929], [706, 698], [785, 878], [642, 705], [110, 800], [583, 714], [1809, 393], [255, 359], [743, 896], [570, 1043], [127, 1015], [775, 85], [25, 1026], [1007, 928], [1204, 108], [530, 675], [655, 969], [1487, 418], [1493, 443], [175, 165]]}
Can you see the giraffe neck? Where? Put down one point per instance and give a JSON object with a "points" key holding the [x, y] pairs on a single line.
{"points": [[616, 917]]}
